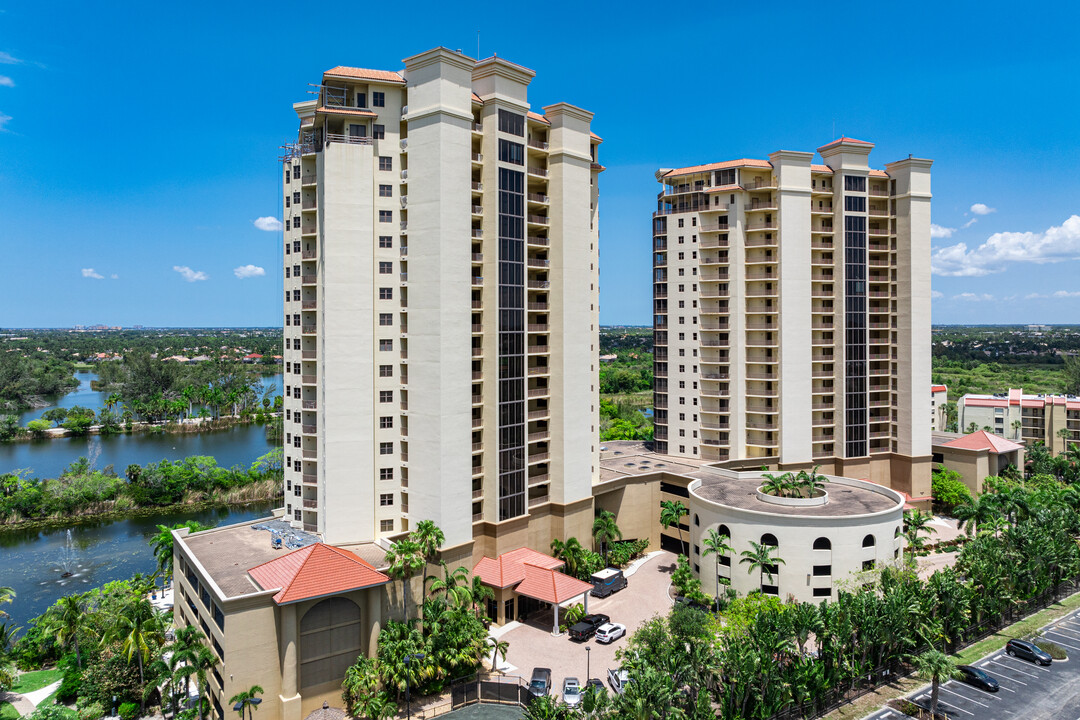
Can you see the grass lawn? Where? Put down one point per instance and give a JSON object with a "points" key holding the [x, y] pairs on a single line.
{"points": [[29, 682], [871, 702]]}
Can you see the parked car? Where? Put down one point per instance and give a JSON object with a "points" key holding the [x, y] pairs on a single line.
{"points": [[596, 683], [618, 679], [540, 685], [609, 632], [586, 627], [1028, 651], [571, 692], [978, 678], [607, 581]]}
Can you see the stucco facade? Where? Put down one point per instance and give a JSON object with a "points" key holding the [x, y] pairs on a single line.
{"points": [[1024, 417]]}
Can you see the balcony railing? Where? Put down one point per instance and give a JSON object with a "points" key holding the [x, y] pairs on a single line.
{"points": [[538, 171], [539, 219]]}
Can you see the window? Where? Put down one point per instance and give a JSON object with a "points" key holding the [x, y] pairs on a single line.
{"points": [[386, 319], [822, 544], [386, 345], [386, 473], [386, 526], [386, 191], [822, 592], [386, 371], [361, 100], [386, 396], [296, 172], [386, 293], [287, 201], [867, 565], [386, 241], [511, 152], [386, 162], [386, 448], [378, 99], [386, 422], [697, 521], [296, 197], [386, 499], [511, 123], [854, 183], [854, 203], [868, 541], [296, 295], [386, 216], [770, 540], [378, 132], [385, 268], [822, 570]]}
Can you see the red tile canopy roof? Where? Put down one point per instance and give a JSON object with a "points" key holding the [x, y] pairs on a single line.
{"points": [[509, 568], [550, 585], [982, 440], [938, 388], [846, 141], [365, 74], [315, 571]]}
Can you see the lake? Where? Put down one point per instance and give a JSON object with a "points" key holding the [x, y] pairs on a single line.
{"points": [[95, 552], [239, 445]]}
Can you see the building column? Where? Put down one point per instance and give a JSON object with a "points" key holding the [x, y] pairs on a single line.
{"points": [[555, 627], [290, 669], [374, 608]]}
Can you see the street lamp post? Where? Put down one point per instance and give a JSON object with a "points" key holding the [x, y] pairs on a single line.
{"points": [[249, 702], [408, 697], [588, 657]]}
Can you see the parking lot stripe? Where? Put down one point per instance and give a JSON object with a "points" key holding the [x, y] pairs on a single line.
{"points": [[962, 697], [1008, 667], [1058, 642], [1031, 665], [1065, 630], [978, 692]]}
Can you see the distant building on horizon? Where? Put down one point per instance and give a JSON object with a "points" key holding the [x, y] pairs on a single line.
{"points": [[1024, 417], [792, 314]]}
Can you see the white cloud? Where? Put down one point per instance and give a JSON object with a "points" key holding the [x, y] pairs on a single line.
{"points": [[937, 231], [1066, 294], [114, 276], [269, 224], [91, 273], [4, 121], [189, 274], [973, 297], [936, 295], [1056, 244], [248, 271], [7, 59], [980, 209], [969, 223], [5, 81]]}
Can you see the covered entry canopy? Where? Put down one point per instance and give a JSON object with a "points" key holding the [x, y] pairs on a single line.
{"points": [[534, 575]]}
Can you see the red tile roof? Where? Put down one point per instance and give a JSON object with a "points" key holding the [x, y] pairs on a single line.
{"points": [[345, 111], [821, 168], [538, 118], [879, 173], [550, 586], [842, 139], [742, 162], [365, 74], [509, 568], [938, 388], [723, 188], [983, 440], [477, 98], [315, 571], [596, 137]]}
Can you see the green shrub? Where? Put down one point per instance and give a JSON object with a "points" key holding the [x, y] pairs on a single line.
{"points": [[948, 490], [70, 685], [51, 711], [93, 711], [128, 711], [1055, 651]]}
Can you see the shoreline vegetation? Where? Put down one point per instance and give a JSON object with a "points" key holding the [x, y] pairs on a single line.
{"points": [[83, 493], [187, 426]]}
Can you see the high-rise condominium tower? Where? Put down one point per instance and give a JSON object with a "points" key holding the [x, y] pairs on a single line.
{"points": [[792, 314], [440, 306]]}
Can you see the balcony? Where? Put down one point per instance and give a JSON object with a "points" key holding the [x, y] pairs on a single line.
{"points": [[310, 479], [477, 281], [538, 306], [308, 305], [760, 184], [307, 379], [538, 145], [478, 187], [310, 429], [539, 414], [541, 370], [756, 205], [539, 457], [537, 240], [539, 198], [309, 354], [308, 330], [538, 479], [759, 225], [477, 157], [538, 500], [311, 504], [538, 171], [822, 190], [308, 179], [538, 219], [308, 280], [308, 255], [538, 263], [477, 209], [539, 284], [538, 436]]}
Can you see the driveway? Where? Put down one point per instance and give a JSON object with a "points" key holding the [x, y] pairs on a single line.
{"points": [[1027, 690], [531, 644]]}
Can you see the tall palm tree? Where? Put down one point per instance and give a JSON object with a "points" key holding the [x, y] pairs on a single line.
{"points": [[480, 594], [162, 544], [430, 538], [917, 524], [405, 559], [202, 661], [65, 620], [186, 642], [113, 400], [760, 557], [497, 647], [671, 513], [605, 530], [935, 666], [455, 585], [978, 513], [1016, 426], [569, 552], [247, 699], [716, 544], [140, 630]]}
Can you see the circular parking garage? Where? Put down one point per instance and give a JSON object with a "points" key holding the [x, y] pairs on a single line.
{"points": [[791, 540]]}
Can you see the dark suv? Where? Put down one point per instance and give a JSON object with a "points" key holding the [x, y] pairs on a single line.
{"points": [[540, 685], [1028, 651], [586, 627]]}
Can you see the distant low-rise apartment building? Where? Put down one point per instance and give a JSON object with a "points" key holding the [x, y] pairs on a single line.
{"points": [[1053, 420], [939, 396]]}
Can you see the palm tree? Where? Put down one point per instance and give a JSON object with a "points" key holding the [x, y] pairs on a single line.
{"points": [[200, 661], [455, 585], [935, 666], [497, 647], [140, 630], [65, 620], [430, 538], [813, 481], [113, 400], [716, 544], [247, 699], [775, 484], [1016, 425], [480, 593], [405, 559], [760, 557], [569, 552], [982, 511], [917, 523], [162, 543], [671, 513], [605, 530]]}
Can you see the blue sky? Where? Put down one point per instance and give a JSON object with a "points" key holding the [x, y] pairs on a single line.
{"points": [[139, 140]]}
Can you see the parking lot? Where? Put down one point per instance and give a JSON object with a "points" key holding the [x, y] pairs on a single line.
{"points": [[532, 645], [1027, 690]]}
